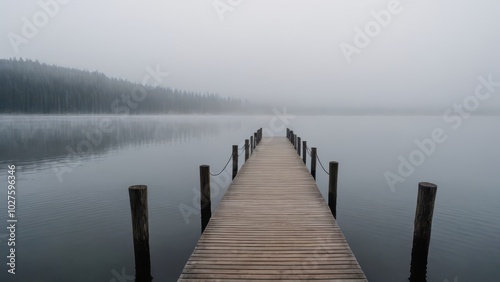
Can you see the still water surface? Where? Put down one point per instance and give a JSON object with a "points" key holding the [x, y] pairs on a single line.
{"points": [[73, 173]]}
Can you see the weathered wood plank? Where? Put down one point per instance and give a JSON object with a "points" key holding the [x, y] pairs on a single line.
{"points": [[272, 224]]}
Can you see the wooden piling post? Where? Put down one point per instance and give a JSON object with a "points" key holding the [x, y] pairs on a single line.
{"points": [[295, 141], [247, 149], [422, 230], [138, 195], [251, 145], [298, 145], [313, 162], [332, 187], [255, 139], [288, 133], [235, 160], [205, 199], [291, 137], [304, 150]]}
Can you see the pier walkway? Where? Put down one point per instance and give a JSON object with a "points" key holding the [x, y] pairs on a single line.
{"points": [[272, 224]]}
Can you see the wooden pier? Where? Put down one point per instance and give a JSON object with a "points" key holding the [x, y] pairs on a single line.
{"points": [[272, 224]]}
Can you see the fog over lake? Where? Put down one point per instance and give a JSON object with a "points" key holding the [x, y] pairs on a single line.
{"points": [[96, 96], [76, 226]]}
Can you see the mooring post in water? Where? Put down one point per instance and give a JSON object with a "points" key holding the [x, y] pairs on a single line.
{"points": [[255, 139], [291, 137], [247, 149], [235, 160], [251, 145], [332, 187], [138, 195], [260, 134], [205, 200], [295, 141], [298, 145], [288, 133], [304, 150], [313, 162], [422, 230]]}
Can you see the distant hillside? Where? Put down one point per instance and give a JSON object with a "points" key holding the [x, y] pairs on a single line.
{"points": [[32, 87]]}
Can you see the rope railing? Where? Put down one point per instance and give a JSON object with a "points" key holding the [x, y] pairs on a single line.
{"points": [[205, 199], [228, 161], [241, 152], [332, 172], [319, 161], [425, 201]]}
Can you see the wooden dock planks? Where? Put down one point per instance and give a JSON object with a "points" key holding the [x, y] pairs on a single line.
{"points": [[272, 224]]}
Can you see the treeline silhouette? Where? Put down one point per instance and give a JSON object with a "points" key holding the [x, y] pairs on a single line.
{"points": [[28, 86]]}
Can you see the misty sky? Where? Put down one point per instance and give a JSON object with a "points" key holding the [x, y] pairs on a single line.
{"points": [[428, 55]]}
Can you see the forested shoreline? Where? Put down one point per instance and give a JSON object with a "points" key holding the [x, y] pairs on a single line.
{"points": [[31, 87]]}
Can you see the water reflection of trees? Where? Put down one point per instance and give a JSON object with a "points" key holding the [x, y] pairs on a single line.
{"points": [[30, 139]]}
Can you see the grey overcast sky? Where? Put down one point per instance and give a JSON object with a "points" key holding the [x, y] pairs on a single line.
{"points": [[428, 54]]}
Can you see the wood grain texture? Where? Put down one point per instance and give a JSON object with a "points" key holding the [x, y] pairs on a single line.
{"points": [[272, 225]]}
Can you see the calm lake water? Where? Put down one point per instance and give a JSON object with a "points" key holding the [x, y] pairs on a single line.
{"points": [[73, 173]]}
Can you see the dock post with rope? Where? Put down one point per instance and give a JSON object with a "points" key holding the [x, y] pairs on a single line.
{"points": [[255, 234], [273, 223]]}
